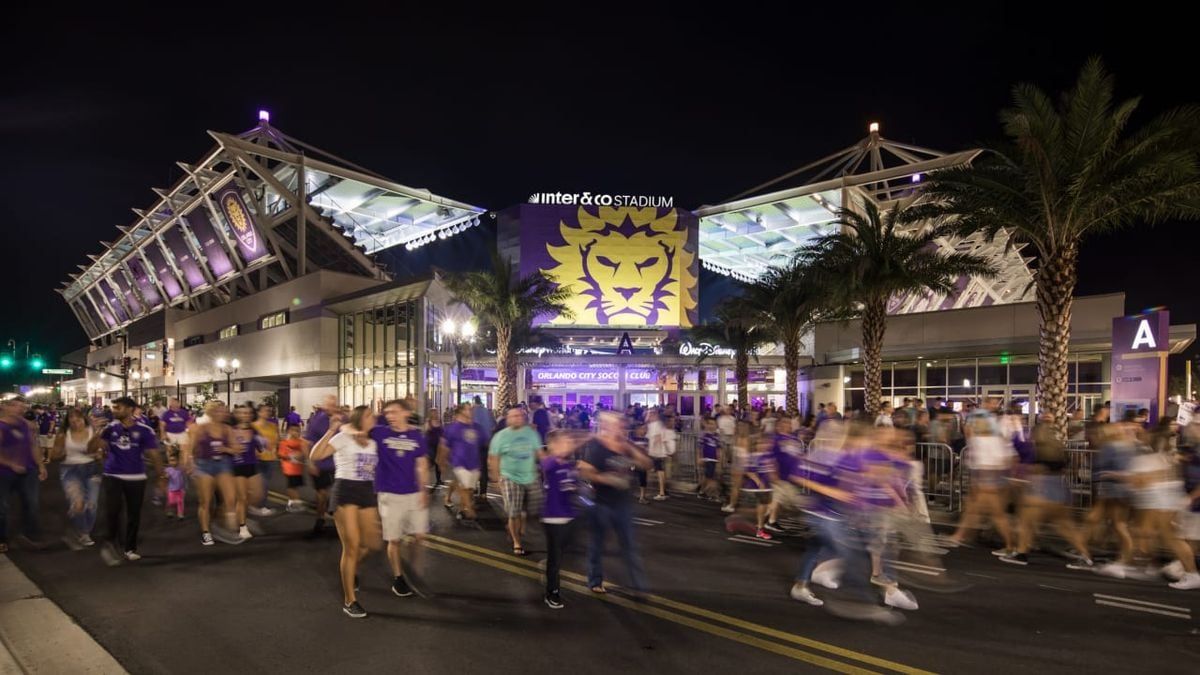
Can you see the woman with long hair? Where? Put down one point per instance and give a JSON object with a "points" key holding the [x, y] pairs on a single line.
{"points": [[207, 456], [990, 458], [247, 483], [80, 476], [742, 442], [1157, 494], [355, 456]]}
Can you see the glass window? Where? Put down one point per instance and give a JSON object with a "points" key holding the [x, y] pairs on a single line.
{"points": [[273, 320], [991, 371], [904, 374], [856, 377], [193, 341], [1090, 369], [228, 332], [1022, 370], [935, 373], [962, 373]]}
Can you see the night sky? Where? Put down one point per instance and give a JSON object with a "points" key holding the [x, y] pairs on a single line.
{"points": [[487, 107]]}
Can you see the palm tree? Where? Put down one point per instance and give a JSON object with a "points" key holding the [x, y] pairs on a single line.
{"points": [[742, 329], [1068, 169], [786, 301], [872, 258], [509, 303]]}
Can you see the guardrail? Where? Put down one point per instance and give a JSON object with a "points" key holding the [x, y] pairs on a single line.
{"points": [[943, 477]]}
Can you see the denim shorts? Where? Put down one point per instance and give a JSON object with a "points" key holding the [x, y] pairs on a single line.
{"points": [[214, 466]]}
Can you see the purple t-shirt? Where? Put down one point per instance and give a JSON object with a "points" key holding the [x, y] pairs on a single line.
{"points": [[46, 423], [293, 418], [398, 453], [317, 426], [16, 445], [126, 445], [559, 477], [820, 467], [250, 449], [176, 479], [786, 451], [175, 421], [710, 444], [760, 464], [541, 422], [464, 441]]}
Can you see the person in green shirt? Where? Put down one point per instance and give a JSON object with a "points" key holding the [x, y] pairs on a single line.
{"points": [[513, 456]]}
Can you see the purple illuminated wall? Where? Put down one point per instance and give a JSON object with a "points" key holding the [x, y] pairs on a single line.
{"points": [[140, 277], [105, 313], [123, 287], [187, 264], [206, 234], [241, 224], [109, 294], [163, 271]]}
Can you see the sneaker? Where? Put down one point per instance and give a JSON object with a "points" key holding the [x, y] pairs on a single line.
{"points": [[773, 527], [244, 533], [72, 541], [763, 534], [1173, 570], [900, 599], [1189, 581], [132, 556], [728, 508], [109, 554], [263, 511], [828, 575], [660, 498], [401, 588], [553, 601], [1002, 552], [803, 594], [882, 580], [1082, 564], [643, 500], [354, 610], [1015, 559], [206, 539], [1114, 570], [86, 540]]}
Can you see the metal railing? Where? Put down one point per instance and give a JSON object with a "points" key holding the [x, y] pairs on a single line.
{"points": [[943, 483], [1080, 460]]}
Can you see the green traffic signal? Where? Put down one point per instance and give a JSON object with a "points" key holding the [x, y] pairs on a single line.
{"points": [[37, 364], [6, 362]]}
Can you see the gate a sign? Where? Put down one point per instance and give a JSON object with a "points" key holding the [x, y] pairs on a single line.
{"points": [[1141, 344]]}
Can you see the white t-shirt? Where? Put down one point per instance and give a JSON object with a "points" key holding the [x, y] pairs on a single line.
{"points": [[988, 452], [884, 420], [352, 461], [726, 425], [657, 435]]}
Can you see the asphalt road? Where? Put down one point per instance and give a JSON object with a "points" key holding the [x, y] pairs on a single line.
{"points": [[719, 605]]}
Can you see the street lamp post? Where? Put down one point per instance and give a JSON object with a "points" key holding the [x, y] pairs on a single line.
{"points": [[459, 335], [229, 368], [141, 377]]}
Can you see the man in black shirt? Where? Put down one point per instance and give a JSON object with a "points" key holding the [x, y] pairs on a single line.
{"points": [[608, 463]]}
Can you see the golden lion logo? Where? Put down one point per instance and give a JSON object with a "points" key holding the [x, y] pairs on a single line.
{"points": [[626, 267], [239, 220]]}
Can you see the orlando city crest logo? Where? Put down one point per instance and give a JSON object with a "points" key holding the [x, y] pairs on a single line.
{"points": [[238, 218]]}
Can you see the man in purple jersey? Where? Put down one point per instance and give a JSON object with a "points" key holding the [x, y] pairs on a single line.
{"points": [[463, 439], [292, 418], [124, 444], [173, 424], [402, 470], [322, 470], [21, 468]]}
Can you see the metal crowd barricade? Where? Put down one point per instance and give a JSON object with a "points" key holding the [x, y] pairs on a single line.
{"points": [[685, 464], [942, 476], [1080, 459]]}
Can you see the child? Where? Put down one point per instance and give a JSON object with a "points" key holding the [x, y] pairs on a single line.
{"points": [[291, 457], [710, 447], [558, 470], [639, 439], [176, 486], [760, 470]]}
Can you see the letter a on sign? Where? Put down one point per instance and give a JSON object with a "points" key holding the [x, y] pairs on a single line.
{"points": [[625, 346], [1144, 337]]}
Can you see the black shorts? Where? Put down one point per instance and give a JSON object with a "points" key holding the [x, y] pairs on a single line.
{"points": [[295, 481], [760, 496], [659, 463], [323, 480], [245, 470], [710, 469], [360, 493], [641, 476]]}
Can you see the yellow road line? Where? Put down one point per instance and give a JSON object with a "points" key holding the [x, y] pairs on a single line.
{"points": [[690, 622], [706, 613]]}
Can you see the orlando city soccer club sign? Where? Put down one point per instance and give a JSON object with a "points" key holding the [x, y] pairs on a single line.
{"points": [[627, 266], [241, 223]]}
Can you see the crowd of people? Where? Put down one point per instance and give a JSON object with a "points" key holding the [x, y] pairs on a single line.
{"points": [[855, 483]]}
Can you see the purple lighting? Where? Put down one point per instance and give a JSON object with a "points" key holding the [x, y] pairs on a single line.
{"points": [[916, 178], [264, 116]]}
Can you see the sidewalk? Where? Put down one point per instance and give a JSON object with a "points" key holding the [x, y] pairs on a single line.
{"points": [[38, 637]]}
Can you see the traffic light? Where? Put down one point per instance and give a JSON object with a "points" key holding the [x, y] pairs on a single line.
{"points": [[125, 366], [6, 362], [36, 363]]}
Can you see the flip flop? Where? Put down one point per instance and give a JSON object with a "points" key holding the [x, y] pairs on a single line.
{"points": [[517, 550], [599, 590]]}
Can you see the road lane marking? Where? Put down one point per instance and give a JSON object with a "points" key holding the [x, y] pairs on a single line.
{"points": [[1148, 610], [755, 540], [918, 565], [647, 522], [749, 541], [1057, 588], [914, 570], [1118, 598], [975, 574], [705, 613], [782, 650]]}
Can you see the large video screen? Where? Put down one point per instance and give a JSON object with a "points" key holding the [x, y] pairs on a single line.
{"points": [[624, 266]]}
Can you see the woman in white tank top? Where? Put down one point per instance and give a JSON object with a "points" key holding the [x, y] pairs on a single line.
{"points": [[80, 477]]}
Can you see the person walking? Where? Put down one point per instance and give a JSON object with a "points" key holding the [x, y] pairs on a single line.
{"points": [[80, 477], [400, 479], [124, 444], [21, 469], [513, 457]]}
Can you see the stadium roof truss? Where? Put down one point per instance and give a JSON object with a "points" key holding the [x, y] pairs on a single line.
{"points": [[258, 209], [747, 234]]}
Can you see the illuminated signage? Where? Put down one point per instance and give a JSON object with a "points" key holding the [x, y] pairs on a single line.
{"points": [[593, 376], [623, 267], [600, 199], [704, 349]]}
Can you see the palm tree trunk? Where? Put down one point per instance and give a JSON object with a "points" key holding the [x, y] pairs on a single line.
{"points": [[1055, 279], [791, 362], [874, 325], [741, 370], [506, 369]]}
